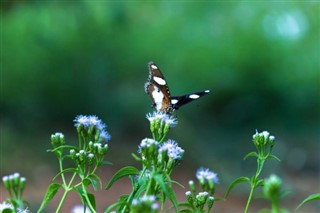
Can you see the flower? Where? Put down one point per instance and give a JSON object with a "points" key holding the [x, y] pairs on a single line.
{"points": [[150, 117], [160, 115], [173, 150], [171, 121], [157, 115], [149, 200], [105, 136], [81, 120], [262, 139], [24, 211], [92, 121], [5, 205], [80, 209], [272, 186], [147, 142], [202, 197], [87, 121], [206, 174], [58, 134], [265, 134]]}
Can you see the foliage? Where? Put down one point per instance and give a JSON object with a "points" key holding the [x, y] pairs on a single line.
{"points": [[151, 184]]}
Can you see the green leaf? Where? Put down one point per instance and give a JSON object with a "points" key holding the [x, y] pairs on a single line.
{"points": [[137, 158], [125, 171], [64, 171], [80, 193], [113, 206], [87, 181], [121, 202], [235, 182], [62, 147], [51, 192], [260, 183], [274, 157], [251, 154], [92, 200], [185, 210], [185, 204], [308, 199], [105, 163], [167, 190], [177, 183], [96, 177]]}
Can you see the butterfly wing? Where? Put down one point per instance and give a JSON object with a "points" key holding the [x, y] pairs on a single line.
{"points": [[178, 101], [156, 87]]}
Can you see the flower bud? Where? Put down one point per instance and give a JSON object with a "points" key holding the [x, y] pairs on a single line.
{"points": [[189, 197], [90, 158], [81, 155], [272, 187], [265, 135], [210, 202], [72, 154], [6, 182], [211, 186], [201, 198], [90, 145], [192, 187], [16, 179], [22, 183]]}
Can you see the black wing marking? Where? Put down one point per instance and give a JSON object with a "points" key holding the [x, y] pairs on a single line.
{"points": [[178, 101]]}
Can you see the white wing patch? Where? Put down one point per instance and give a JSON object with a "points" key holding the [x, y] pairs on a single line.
{"points": [[159, 81], [174, 101], [154, 66], [194, 96], [157, 97]]}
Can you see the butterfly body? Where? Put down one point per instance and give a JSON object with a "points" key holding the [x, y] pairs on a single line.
{"points": [[157, 88]]}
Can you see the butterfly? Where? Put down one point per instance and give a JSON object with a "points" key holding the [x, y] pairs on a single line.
{"points": [[157, 88]]}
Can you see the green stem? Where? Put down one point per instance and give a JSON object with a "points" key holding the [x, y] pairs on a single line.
{"points": [[66, 192], [62, 174], [87, 199], [132, 194], [250, 197], [275, 206]]}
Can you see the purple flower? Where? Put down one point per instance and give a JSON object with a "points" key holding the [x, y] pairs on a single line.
{"points": [[173, 150], [206, 174]]}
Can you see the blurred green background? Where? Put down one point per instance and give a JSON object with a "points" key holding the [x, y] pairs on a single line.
{"points": [[260, 60]]}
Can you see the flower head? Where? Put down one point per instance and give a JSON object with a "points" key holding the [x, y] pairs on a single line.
{"points": [[80, 209], [262, 139], [105, 136], [147, 142], [24, 211], [81, 120], [5, 205], [171, 121], [57, 139], [91, 120], [146, 203], [206, 175], [173, 150], [272, 187], [92, 125]]}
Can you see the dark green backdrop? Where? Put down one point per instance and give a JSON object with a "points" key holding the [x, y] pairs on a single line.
{"points": [[261, 61]]}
